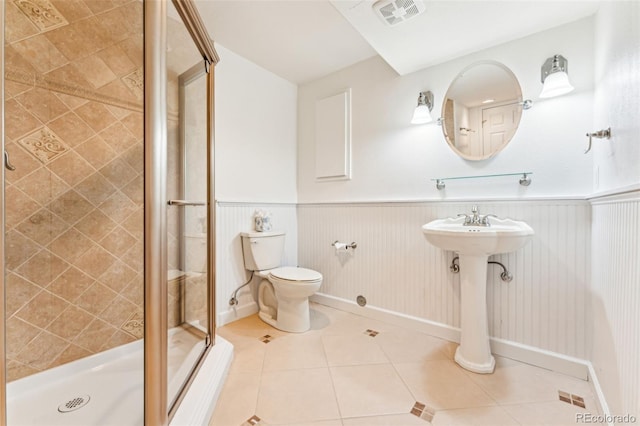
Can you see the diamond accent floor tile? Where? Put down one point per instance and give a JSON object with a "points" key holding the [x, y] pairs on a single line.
{"points": [[253, 421], [571, 399], [266, 338], [423, 412]]}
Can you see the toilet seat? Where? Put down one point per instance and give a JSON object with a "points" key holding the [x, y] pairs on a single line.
{"points": [[292, 274]]}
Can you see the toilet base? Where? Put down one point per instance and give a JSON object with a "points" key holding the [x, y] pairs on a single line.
{"points": [[292, 317], [284, 313]]}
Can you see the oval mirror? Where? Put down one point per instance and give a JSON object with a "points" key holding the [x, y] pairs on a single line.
{"points": [[481, 110]]}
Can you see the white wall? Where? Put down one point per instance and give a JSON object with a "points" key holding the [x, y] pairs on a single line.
{"points": [[393, 160], [615, 298], [255, 137], [617, 94], [255, 132]]}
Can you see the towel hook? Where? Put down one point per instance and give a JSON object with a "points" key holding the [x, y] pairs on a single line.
{"points": [[600, 134]]}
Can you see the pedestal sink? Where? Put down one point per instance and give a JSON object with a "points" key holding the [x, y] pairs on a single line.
{"points": [[474, 244]]}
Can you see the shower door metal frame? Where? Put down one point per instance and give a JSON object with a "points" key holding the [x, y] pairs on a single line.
{"points": [[3, 293], [155, 216], [156, 409]]}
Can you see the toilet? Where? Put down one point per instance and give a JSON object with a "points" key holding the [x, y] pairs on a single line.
{"points": [[283, 292]]}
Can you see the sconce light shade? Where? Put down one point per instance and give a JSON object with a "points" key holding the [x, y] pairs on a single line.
{"points": [[554, 77], [422, 113]]}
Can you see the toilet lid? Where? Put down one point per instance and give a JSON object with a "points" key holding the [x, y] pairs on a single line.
{"points": [[292, 273]]}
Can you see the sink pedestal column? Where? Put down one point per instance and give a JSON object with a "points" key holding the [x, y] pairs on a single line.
{"points": [[474, 352]]}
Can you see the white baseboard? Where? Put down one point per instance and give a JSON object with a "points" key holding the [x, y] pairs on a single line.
{"points": [[528, 354], [597, 391], [236, 313], [542, 358], [413, 323]]}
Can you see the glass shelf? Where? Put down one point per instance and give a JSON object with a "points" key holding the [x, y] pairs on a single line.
{"points": [[524, 178]]}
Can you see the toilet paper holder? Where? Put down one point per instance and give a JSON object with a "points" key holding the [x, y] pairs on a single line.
{"points": [[337, 244]]}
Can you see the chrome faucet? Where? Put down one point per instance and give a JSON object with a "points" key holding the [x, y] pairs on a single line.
{"points": [[475, 219]]}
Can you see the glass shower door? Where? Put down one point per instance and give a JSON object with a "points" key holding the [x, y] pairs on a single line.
{"points": [[188, 281]]}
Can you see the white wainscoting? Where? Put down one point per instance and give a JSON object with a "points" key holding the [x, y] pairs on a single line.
{"points": [[615, 300], [396, 269], [232, 218]]}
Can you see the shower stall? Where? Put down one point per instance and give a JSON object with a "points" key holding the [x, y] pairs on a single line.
{"points": [[107, 248]]}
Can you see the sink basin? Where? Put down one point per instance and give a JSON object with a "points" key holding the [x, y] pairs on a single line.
{"points": [[475, 244], [503, 236]]}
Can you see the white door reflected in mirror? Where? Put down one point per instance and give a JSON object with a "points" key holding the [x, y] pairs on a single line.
{"points": [[481, 110]]}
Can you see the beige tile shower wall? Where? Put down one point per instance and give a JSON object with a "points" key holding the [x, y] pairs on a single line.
{"points": [[231, 219], [395, 268], [187, 300], [74, 216], [615, 318]]}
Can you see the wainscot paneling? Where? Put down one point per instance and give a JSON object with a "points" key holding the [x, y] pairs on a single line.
{"points": [[396, 269], [615, 300]]}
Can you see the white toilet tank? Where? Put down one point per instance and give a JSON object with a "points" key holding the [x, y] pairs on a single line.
{"points": [[262, 250]]}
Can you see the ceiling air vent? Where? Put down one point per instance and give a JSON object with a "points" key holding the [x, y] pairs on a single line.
{"points": [[394, 12]]}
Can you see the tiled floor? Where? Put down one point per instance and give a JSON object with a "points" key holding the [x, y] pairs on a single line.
{"points": [[353, 371]]}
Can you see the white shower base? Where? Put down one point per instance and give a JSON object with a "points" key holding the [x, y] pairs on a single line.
{"points": [[114, 382]]}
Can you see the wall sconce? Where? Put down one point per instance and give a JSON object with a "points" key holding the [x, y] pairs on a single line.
{"points": [[554, 77], [422, 114]]}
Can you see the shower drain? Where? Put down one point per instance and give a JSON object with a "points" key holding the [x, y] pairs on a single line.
{"points": [[74, 404]]}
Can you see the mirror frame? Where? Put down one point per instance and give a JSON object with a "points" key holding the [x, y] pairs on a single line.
{"points": [[517, 121]]}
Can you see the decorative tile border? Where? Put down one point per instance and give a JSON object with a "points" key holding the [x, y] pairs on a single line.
{"points": [[371, 333], [44, 145], [56, 86], [135, 83], [135, 325], [422, 411], [571, 399], [42, 14]]}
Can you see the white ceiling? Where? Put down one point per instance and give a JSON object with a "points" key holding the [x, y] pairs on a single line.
{"points": [[483, 81], [302, 40], [299, 40]]}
